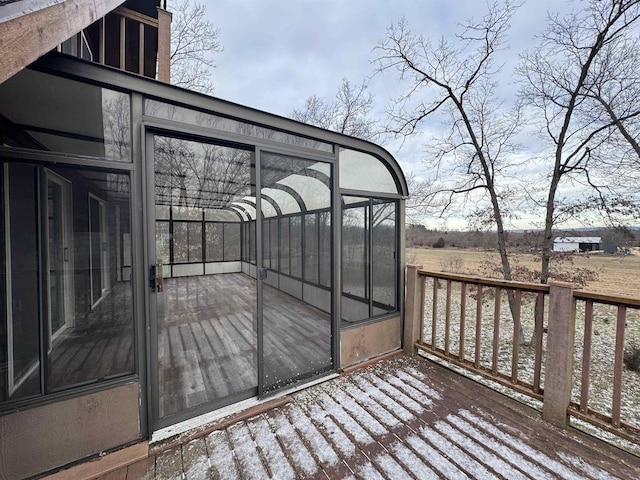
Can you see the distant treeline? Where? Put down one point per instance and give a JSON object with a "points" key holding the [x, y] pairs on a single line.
{"points": [[525, 240]]}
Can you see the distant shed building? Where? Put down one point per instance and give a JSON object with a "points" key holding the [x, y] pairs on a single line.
{"points": [[576, 244]]}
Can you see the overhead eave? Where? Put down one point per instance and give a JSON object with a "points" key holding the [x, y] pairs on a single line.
{"points": [[31, 28]]}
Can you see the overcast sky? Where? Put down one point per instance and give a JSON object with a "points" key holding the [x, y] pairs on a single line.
{"points": [[279, 52]]}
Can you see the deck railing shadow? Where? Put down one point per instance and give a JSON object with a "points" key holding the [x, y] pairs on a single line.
{"points": [[561, 346]]}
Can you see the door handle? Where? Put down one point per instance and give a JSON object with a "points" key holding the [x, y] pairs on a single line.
{"points": [[152, 278]]}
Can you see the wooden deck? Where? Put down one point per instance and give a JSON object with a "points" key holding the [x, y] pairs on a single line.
{"points": [[207, 339], [400, 418]]}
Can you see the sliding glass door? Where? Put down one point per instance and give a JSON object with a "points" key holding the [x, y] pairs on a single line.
{"points": [[240, 273]]}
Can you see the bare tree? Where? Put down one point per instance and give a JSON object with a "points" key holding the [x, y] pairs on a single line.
{"points": [[569, 79], [194, 40], [348, 113], [455, 79]]}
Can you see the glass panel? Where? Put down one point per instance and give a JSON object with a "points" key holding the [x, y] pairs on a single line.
{"points": [[252, 242], [195, 242], [296, 246], [96, 220], [297, 327], [45, 112], [324, 250], [310, 248], [383, 244], [285, 254], [355, 260], [56, 220], [266, 245], [19, 327], [231, 242], [215, 251], [186, 213], [362, 171], [206, 312], [158, 109], [180, 242], [163, 247], [273, 235]]}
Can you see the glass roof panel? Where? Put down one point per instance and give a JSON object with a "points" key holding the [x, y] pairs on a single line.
{"points": [[313, 191], [268, 210], [287, 203], [220, 215], [362, 171], [243, 214], [251, 211]]}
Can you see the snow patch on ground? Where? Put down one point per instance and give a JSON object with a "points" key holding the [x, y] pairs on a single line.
{"points": [[291, 441], [326, 455], [590, 470], [272, 453]]}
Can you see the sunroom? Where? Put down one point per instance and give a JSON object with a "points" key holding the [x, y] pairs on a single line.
{"points": [[166, 254]]}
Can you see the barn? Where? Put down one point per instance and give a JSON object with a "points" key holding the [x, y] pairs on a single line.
{"points": [[576, 244]]}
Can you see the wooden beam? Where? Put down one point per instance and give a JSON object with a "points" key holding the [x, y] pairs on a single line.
{"points": [[164, 45], [26, 38]]}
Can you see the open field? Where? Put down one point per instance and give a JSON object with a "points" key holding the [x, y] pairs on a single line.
{"points": [[617, 275]]}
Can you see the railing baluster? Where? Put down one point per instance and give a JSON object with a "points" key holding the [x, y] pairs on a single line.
{"points": [[478, 326], [539, 329], [422, 281], [617, 369], [447, 319], [434, 316], [463, 307], [586, 356], [516, 338], [141, 49], [496, 330], [123, 44]]}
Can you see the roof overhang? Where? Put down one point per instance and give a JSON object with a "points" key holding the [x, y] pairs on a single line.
{"points": [[31, 28]]}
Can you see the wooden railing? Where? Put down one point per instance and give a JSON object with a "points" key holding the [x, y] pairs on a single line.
{"points": [[590, 404], [121, 46], [523, 336]]}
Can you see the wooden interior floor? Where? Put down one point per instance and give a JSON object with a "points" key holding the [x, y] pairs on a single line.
{"points": [[207, 342]]}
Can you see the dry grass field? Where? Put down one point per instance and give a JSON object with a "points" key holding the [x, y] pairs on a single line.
{"points": [[617, 275]]}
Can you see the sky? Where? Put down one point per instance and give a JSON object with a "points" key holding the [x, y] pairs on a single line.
{"points": [[277, 53]]}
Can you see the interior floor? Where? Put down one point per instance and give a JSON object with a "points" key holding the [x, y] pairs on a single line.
{"points": [[207, 341]]}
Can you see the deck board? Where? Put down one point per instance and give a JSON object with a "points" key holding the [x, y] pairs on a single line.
{"points": [[400, 418]]}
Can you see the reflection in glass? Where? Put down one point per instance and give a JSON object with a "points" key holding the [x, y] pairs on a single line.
{"points": [[297, 326], [20, 327], [45, 112], [84, 323], [167, 111]]}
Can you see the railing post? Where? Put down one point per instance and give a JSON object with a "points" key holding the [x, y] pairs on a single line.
{"points": [[559, 362], [413, 310]]}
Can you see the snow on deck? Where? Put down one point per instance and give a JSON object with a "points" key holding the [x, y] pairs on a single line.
{"points": [[400, 418]]}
